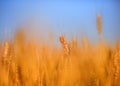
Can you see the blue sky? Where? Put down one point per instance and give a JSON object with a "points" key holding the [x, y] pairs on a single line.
{"points": [[72, 18]]}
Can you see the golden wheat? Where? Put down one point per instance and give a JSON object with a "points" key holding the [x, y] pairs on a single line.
{"points": [[25, 63], [65, 45], [99, 24]]}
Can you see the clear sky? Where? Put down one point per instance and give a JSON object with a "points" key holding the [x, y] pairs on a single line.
{"points": [[73, 18]]}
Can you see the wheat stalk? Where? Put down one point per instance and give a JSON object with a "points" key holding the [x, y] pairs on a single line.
{"points": [[65, 45], [99, 24], [116, 64]]}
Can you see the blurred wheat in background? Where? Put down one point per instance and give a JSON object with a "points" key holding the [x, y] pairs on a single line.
{"points": [[74, 64]]}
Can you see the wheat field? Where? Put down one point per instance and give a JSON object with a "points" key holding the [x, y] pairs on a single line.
{"points": [[73, 64]]}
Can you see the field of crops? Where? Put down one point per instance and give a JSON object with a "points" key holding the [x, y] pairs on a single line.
{"points": [[72, 64]]}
